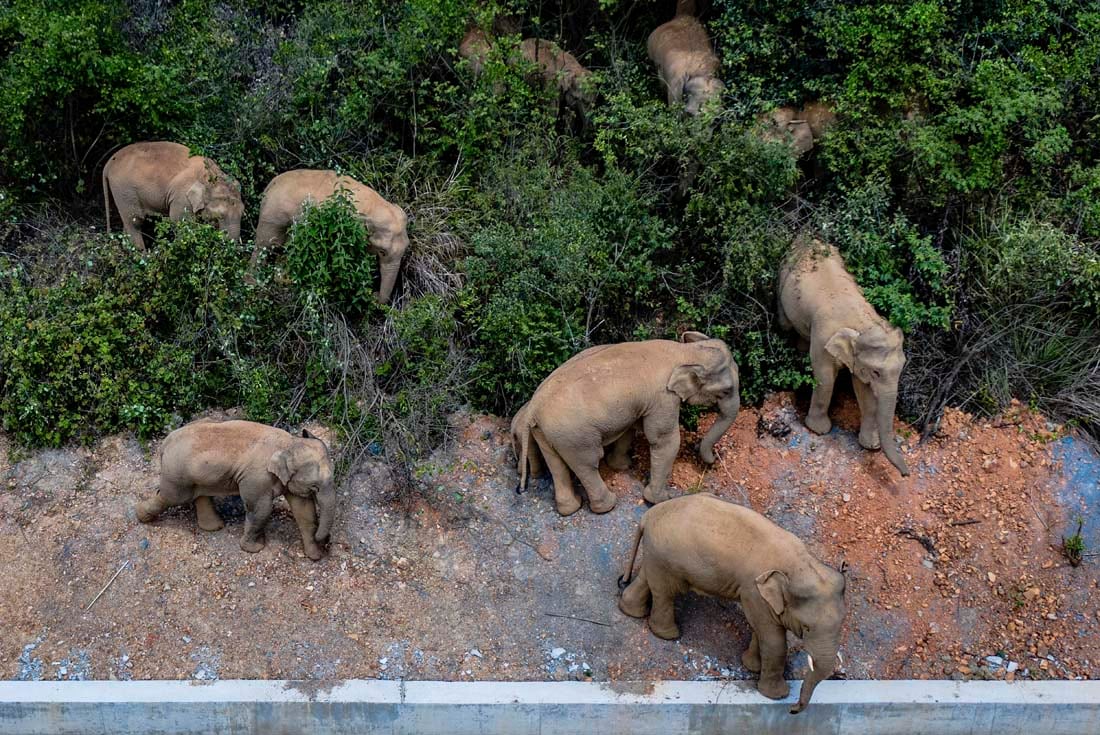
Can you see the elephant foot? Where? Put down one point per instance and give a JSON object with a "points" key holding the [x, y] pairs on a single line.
{"points": [[313, 551], [750, 659], [819, 424], [774, 688], [618, 463], [869, 439], [636, 606], [570, 506], [253, 546], [669, 632], [147, 511], [654, 496], [208, 518], [604, 504]]}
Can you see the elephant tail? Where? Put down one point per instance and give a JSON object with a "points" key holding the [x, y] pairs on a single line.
{"points": [[524, 447], [107, 199], [628, 572]]}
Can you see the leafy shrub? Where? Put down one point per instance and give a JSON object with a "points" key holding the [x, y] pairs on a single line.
{"points": [[328, 253]]}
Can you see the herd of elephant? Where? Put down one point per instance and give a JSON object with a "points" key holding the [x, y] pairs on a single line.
{"points": [[588, 409]]}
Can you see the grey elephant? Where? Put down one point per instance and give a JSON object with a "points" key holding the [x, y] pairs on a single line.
{"points": [[208, 458], [164, 178], [595, 399], [703, 544], [685, 61], [820, 300], [286, 195]]}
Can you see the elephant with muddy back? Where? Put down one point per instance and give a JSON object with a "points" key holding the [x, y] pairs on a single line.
{"points": [[207, 458], [699, 543], [595, 399], [163, 178], [820, 300], [287, 194]]}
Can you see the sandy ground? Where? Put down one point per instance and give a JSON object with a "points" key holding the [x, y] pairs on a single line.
{"points": [[953, 572]]}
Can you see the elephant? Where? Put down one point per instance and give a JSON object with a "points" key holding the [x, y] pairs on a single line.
{"points": [[475, 47], [595, 399], [288, 192], [158, 177], [561, 68], [703, 544], [821, 301], [207, 458], [685, 62], [802, 128]]}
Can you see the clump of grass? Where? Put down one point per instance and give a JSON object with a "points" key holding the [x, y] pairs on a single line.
{"points": [[1073, 548]]}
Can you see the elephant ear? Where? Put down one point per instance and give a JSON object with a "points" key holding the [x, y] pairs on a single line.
{"points": [[689, 337], [307, 435], [842, 346], [196, 197], [685, 381], [280, 466], [772, 586]]}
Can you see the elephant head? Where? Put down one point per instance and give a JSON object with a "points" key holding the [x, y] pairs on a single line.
{"points": [[214, 198], [808, 601], [389, 239], [305, 469], [709, 378], [875, 357], [698, 90], [784, 125]]}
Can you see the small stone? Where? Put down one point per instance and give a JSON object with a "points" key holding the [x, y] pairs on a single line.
{"points": [[186, 639], [475, 652], [1012, 666], [846, 497], [995, 661], [251, 584], [991, 577], [557, 653], [928, 563]]}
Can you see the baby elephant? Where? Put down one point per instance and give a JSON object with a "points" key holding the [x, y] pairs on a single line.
{"points": [[698, 543], [258, 462], [685, 62], [594, 400], [821, 301]]}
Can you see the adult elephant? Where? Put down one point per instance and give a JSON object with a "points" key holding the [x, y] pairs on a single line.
{"points": [[287, 194], [686, 63], [159, 177], [820, 300], [594, 400]]}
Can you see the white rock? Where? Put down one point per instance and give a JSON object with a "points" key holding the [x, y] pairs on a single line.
{"points": [[557, 653]]}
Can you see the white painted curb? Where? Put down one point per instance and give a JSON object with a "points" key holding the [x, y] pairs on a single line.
{"points": [[552, 708]]}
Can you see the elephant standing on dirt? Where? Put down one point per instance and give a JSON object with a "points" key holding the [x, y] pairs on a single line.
{"points": [[287, 194], [595, 399], [821, 301], [685, 61], [257, 462], [164, 178], [699, 543]]}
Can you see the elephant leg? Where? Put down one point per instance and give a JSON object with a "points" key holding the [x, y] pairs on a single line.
{"points": [[257, 507], [772, 641], [148, 509], [268, 235], [305, 514], [868, 414], [619, 456], [131, 225], [750, 659], [636, 597], [662, 616], [565, 497], [209, 520], [585, 463], [817, 420], [664, 445]]}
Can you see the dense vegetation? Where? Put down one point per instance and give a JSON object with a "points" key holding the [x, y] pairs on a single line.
{"points": [[962, 182]]}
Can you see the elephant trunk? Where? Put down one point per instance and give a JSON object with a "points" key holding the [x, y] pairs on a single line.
{"points": [[727, 413], [886, 405], [231, 226], [824, 663], [390, 265], [326, 511]]}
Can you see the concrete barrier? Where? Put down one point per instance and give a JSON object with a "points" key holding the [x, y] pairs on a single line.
{"points": [[555, 708]]}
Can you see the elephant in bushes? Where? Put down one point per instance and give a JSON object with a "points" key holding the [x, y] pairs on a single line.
{"points": [[702, 544], [685, 62], [595, 399], [258, 462], [821, 301], [164, 178], [287, 194]]}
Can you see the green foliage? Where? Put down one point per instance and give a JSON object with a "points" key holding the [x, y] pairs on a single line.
{"points": [[328, 253]]}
